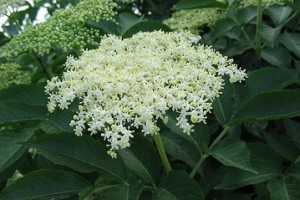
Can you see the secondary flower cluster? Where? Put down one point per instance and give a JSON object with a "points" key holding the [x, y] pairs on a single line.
{"points": [[129, 84], [65, 29], [265, 3], [11, 74], [193, 19]]}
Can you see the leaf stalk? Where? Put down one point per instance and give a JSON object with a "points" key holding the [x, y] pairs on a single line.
{"points": [[206, 155]]}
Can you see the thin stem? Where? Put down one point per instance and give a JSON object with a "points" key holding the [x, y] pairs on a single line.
{"points": [[258, 31], [198, 165], [206, 155], [14, 19], [291, 17], [220, 136], [162, 152], [17, 24]]}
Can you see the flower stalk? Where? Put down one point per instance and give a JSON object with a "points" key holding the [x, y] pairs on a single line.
{"points": [[162, 152]]}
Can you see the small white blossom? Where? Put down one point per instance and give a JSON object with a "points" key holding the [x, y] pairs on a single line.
{"points": [[131, 83]]}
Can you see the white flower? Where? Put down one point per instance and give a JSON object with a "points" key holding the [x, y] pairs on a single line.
{"points": [[131, 83]]}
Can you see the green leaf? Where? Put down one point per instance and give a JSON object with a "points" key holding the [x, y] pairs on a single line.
{"points": [[14, 112], [126, 21], [293, 171], [201, 135], [269, 106], [234, 34], [282, 145], [180, 148], [178, 185], [297, 160], [190, 4], [292, 129], [270, 34], [80, 153], [107, 191], [234, 153], [264, 161], [287, 188], [107, 27], [26, 94], [223, 105], [245, 15], [235, 178], [45, 184], [146, 26], [279, 14], [237, 47], [58, 122], [230, 195], [142, 159], [262, 192], [292, 42], [134, 191], [221, 42], [211, 177], [223, 26], [294, 5], [268, 79], [197, 138], [10, 148], [277, 56], [261, 151]]}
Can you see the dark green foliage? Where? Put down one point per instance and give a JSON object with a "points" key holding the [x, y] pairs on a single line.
{"points": [[178, 185], [45, 184]]}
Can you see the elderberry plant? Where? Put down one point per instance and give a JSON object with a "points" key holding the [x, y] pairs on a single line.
{"points": [[114, 104]]}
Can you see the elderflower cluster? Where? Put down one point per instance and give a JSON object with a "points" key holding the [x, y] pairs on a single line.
{"points": [[193, 19], [66, 29], [265, 3], [11, 74], [129, 84]]}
